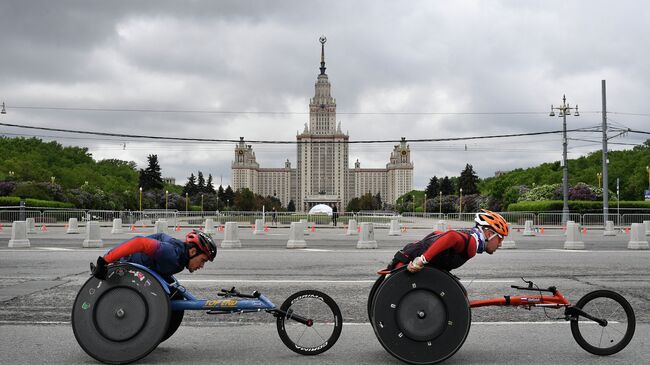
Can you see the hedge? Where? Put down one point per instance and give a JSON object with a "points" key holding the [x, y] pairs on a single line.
{"points": [[577, 206], [15, 201]]}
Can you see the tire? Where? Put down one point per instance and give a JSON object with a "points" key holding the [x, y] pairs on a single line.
{"points": [[371, 295], [175, 319], [421, 318], [326, 328], [123, 318], [615, 335]]}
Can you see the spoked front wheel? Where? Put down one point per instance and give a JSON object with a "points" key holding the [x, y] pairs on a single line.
{"points": [[616, 327], [311, 322]]}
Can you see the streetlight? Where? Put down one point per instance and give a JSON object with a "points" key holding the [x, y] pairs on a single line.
{"points": [[461, 202], [413, 199], [141, 198], [201, 202], [166, 200], [600, 177], [52, 178], [425, 203], [440, 203], [564, 110], [187, 202]]}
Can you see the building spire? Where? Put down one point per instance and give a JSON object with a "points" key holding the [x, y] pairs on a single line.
{"points": [[322, 40]]}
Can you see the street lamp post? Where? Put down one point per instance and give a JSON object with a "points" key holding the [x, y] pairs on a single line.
{"points": [[440, 196], [413, 199], [599, 175], [141, 198], [425, 203], [461, 203], [52, 178], [201, 202], [166, 200], [187, 202], [647, 168], [564, 109]]}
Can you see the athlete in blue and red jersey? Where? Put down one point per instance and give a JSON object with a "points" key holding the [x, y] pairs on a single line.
{"points": [[450, 250], [161, 253]]}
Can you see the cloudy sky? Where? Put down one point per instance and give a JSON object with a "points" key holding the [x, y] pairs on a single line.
{"points": [[414, 69]]}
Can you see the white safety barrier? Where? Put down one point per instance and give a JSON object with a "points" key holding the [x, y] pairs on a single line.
{"points": [[231, 236], [637, 237], [394, 228], [31, 225], [566, 228], [73, 226], [647, 227], [508, 243], [117, 226], [296, 236], [209, 226], [19, 235], [609, 229], [528, 229], [93, 235], [161, 227], [367, 236], [353, 229], [573, 237], [259, 227], [440, 226]]}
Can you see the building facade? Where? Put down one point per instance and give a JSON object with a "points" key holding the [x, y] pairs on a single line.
{"points": [[322, 174]]}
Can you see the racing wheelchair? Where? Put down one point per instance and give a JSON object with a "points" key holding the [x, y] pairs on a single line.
{"points": [[424, 318], [125, 317]]}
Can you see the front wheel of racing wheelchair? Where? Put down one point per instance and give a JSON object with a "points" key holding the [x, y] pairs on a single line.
{"points": [[420, 318]]}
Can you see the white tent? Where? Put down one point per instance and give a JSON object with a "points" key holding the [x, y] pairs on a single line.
{"points": [[321, 209]]}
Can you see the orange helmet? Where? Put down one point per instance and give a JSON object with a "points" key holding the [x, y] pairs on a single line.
{"points": [[495, 221]]}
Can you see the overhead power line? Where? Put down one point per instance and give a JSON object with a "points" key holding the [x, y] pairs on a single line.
{"points": [[417, 140]]}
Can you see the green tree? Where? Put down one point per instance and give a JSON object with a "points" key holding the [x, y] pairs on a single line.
{"points": [[245, 200], [291, 207], [468, 180], [150, 177], [433, 188], [190, 187], [229, 196], [209, 187], [446, 186], [200, 185]]}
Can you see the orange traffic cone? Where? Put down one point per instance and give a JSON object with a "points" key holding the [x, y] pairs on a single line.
{"points": [[133, 228], [253, 227], [627, 230], [359, 229], [266, 228], [313, 228], [43, 228], [584, 231], [0, 227], [541, 230], [178, 228]]}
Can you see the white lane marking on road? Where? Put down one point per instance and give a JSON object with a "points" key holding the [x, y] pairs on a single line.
{"points": [[565, 250], [312, 281], [315, 250], [54, 248]]}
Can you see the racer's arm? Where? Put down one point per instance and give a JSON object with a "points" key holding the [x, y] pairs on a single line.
{"points": [[451, 240], [145, 245]]}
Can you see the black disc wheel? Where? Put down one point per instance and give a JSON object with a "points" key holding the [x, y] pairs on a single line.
{"points": [[421, 318], [322, 322], [175, 319], [609, 336], [123, 318], [371, 295]]}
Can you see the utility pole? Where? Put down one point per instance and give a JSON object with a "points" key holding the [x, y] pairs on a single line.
{"points": [[564, 109], [604, 127]]}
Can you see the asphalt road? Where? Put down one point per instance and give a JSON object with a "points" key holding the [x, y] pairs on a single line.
{"points": [[38, 286]]}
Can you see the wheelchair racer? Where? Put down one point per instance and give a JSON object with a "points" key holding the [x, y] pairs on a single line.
{"points": [[161, 253], [450, 250]]}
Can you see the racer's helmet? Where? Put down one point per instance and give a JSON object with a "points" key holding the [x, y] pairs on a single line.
{"points": [[488, 219], [203, 242]]}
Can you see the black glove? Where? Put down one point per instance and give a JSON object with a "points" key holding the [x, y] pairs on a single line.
{"points": [[99, 270]]}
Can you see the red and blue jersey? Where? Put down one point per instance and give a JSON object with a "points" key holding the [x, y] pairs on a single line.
{"points": [[162, 253]]}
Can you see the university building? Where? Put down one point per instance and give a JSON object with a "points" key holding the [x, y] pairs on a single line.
{"points": [[322, 174]]}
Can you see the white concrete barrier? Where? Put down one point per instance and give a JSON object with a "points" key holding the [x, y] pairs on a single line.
{"points": [[259, 226], [19, 235], [31, 225], [440, 226], [647, 227], [209, 226], [296, 236], [573, 237], [231, 236], [528, 229], [305, 225], [567, 227], [367, 236], [394, 228], [117, 226], [93, 235], [353, 229], [637, 237], [161, 226], [73, 226], [508, 243], [609, 229]]}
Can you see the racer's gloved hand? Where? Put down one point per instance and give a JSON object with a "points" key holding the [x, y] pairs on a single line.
{"points": [[417, 264], [99, 270]]}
